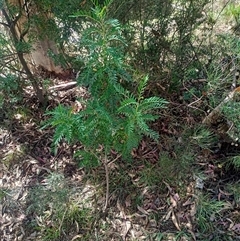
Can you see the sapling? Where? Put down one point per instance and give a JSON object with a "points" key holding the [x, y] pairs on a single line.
{"points": [[114, 118]]}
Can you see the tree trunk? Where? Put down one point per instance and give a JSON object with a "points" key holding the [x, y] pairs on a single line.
{"points": [[30, 25], [29, 30], [16, 41]]}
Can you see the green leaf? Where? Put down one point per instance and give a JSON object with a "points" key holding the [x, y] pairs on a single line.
{"points": [[142, 86], [131, 103]]}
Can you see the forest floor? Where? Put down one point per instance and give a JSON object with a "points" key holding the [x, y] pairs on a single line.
{"points": [[172, 190], [184, 188]]}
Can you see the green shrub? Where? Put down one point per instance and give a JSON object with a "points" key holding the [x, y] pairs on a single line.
{"points": [[115, 117], [162, 36]]}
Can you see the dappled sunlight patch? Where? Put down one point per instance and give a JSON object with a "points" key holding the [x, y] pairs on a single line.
{"points": [[84, 196], [67, 212]]}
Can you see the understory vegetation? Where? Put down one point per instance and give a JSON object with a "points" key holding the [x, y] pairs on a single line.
{"points": [[119, 120]]}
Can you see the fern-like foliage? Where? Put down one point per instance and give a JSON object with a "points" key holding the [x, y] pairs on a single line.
{"points": [[67, 125], [99, 125], [103, 54], [114, 117], [138, 112]]}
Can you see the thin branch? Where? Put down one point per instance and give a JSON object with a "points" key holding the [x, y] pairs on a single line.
{"points": [[107, 182], [5, 24], [111, 162]]}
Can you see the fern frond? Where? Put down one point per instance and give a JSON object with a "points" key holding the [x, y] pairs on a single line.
{"points": [[149, 117], [151, 103], [141, 87], [132, 141], [127, 106], [130, 127], [67, 125], [59, 115], [120, 90], [58, 135], [146, 130], [142, 125]]}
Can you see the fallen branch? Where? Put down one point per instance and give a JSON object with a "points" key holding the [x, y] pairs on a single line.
{"points": [[216, 112], [66, 86]]}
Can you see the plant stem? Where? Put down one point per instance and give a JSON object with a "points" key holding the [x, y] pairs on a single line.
{"points": [[107, 181]]}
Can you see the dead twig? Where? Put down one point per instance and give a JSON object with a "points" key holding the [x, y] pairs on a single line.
{"points": [[215, 113]]}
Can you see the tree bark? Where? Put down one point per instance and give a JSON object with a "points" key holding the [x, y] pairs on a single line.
{"points": [[16, 41], [27, 27]]}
